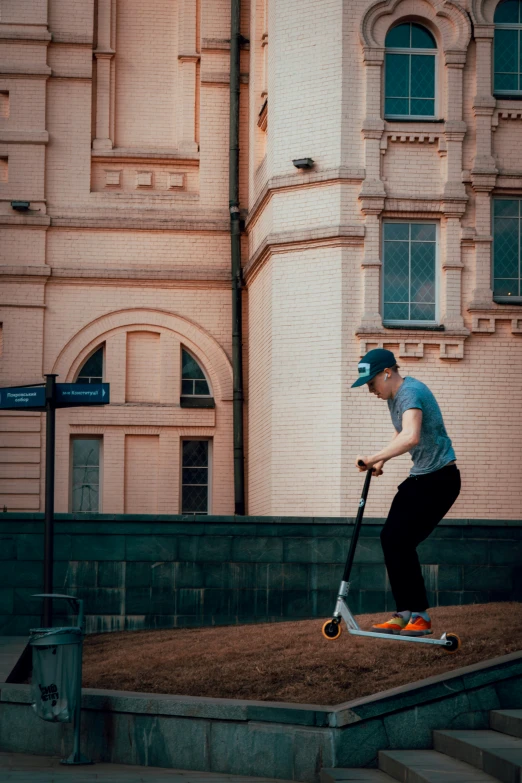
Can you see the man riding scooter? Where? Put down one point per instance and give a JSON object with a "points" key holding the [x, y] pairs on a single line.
{"points": [[424, 498]]}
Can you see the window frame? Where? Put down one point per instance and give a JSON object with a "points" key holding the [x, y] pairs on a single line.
{"points": [[195, 358], [85, 436], [417, 324], [84, 362], [210, 442], [503, 300], [515, 94], [410, 51]]}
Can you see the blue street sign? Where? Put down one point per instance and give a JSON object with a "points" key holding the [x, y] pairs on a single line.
{"points": [[75, 394], [22, 397]]}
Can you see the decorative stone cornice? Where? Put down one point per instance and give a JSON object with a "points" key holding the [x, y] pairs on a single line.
{"points": [[122, 154], [411, 342], [42, 71], [373, 55], [31, 34], [24, 271], [483, 105], [23, 137], [372, 203], [303, 239], [373, 127], [297, 180], [454, 200], [140, 221], [455, 58], [189, 57], [104, 54], [145, 275], [483, 177], [485, 321]]}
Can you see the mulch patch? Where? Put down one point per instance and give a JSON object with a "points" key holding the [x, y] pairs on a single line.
{"points": [[292, 661]]}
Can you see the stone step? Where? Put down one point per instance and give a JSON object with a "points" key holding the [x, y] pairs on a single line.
{"points": [[506, 721], [496, 754], [354, 776], [429, 766]]}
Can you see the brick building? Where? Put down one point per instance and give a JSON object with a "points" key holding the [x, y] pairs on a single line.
{"points": [[404, 233]]}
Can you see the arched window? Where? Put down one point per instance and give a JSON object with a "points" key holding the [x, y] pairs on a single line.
{"points": [[92, 370], [409, 86], [193, 379], [507, 45]]}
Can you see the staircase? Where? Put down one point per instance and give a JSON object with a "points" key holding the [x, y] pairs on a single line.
{"points": [[458, 757]]}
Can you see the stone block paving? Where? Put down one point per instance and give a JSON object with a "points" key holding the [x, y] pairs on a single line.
{"points": [[18, 768]]}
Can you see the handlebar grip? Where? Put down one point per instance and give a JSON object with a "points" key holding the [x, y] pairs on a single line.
{"points": [[361, 463]]}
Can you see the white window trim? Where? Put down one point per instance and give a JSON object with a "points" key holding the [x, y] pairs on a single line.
{"points": [[432, 117], [419, 324], [504, 26], [204, 396], [210, 442], [85, 436], [505, 299]]}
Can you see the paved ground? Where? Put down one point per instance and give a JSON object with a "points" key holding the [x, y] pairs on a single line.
{"points": [[11, 648], [16, 768]]}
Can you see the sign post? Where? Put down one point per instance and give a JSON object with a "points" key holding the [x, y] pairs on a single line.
{"points": [[50, 439], [47, 399]]}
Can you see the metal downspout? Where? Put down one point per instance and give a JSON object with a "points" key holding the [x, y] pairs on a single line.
{"points": [[235, 247]]}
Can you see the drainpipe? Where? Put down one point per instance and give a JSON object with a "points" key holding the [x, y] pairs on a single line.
{"points": [[235, 248]]}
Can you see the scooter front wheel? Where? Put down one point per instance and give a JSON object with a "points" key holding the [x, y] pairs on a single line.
{"points": [[332, 630], [455, 643]]}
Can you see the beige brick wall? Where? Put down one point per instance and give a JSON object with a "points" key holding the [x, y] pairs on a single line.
{"points": [[141, 474], [139, 260]]}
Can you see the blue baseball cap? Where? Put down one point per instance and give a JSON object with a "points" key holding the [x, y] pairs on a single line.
{"points": [[373, 363]]}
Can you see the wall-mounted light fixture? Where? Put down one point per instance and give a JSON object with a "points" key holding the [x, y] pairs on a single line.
{"points": [[21, 206], [303, 163]]}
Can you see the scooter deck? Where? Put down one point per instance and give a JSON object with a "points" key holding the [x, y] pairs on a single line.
{"points": [[397, 637]]}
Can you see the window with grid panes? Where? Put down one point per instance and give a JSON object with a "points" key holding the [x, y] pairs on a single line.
{"points": [[193, 380], [409, 273], [92, 369], [195, 476], [409, 72], [507, 55], [85, 485], [507, 265]]}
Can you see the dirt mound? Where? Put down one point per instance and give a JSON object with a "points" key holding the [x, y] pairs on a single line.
{"points": [[293, 661]]}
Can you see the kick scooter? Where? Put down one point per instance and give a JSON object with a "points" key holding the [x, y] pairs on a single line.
{"points": [[332, 628]]}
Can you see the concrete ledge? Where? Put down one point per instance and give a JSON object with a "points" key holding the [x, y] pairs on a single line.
{"points": [[276, 739]]}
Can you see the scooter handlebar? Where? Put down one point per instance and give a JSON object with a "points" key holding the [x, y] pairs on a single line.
{"points": [[361, 463]]}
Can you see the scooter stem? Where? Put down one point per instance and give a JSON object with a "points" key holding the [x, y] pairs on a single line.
{"points": [[357, 527]]}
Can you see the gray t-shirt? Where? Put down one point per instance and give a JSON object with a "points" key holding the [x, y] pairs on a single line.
{"points": [[434, 449]]}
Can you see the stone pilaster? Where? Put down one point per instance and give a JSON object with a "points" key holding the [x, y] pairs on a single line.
{"points": [[484, 171], [104, 56], [188, 58]]}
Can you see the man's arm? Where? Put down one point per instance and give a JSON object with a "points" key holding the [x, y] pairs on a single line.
{"points": [[402, 442]]}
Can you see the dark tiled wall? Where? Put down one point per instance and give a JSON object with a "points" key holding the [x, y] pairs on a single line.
{"points": [[152, 572]]}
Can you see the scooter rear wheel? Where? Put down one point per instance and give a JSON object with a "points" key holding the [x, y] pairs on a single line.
{"points": [[331, 630], [455, 643]]}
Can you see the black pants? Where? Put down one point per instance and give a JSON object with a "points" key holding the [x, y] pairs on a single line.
{"points": [[417, 508]]}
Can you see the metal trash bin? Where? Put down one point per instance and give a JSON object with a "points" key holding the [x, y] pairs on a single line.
{"points": [[56, 653], [57, 674]]}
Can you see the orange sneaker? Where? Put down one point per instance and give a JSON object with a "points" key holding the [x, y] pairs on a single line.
{"points": [[394, 625], [417, 626]]}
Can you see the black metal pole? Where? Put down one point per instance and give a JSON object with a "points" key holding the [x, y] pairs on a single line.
{"points": [[50, 437], [235, 240]]}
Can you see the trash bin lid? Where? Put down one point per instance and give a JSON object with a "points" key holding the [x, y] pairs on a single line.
{"points": [[46, 637]]}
